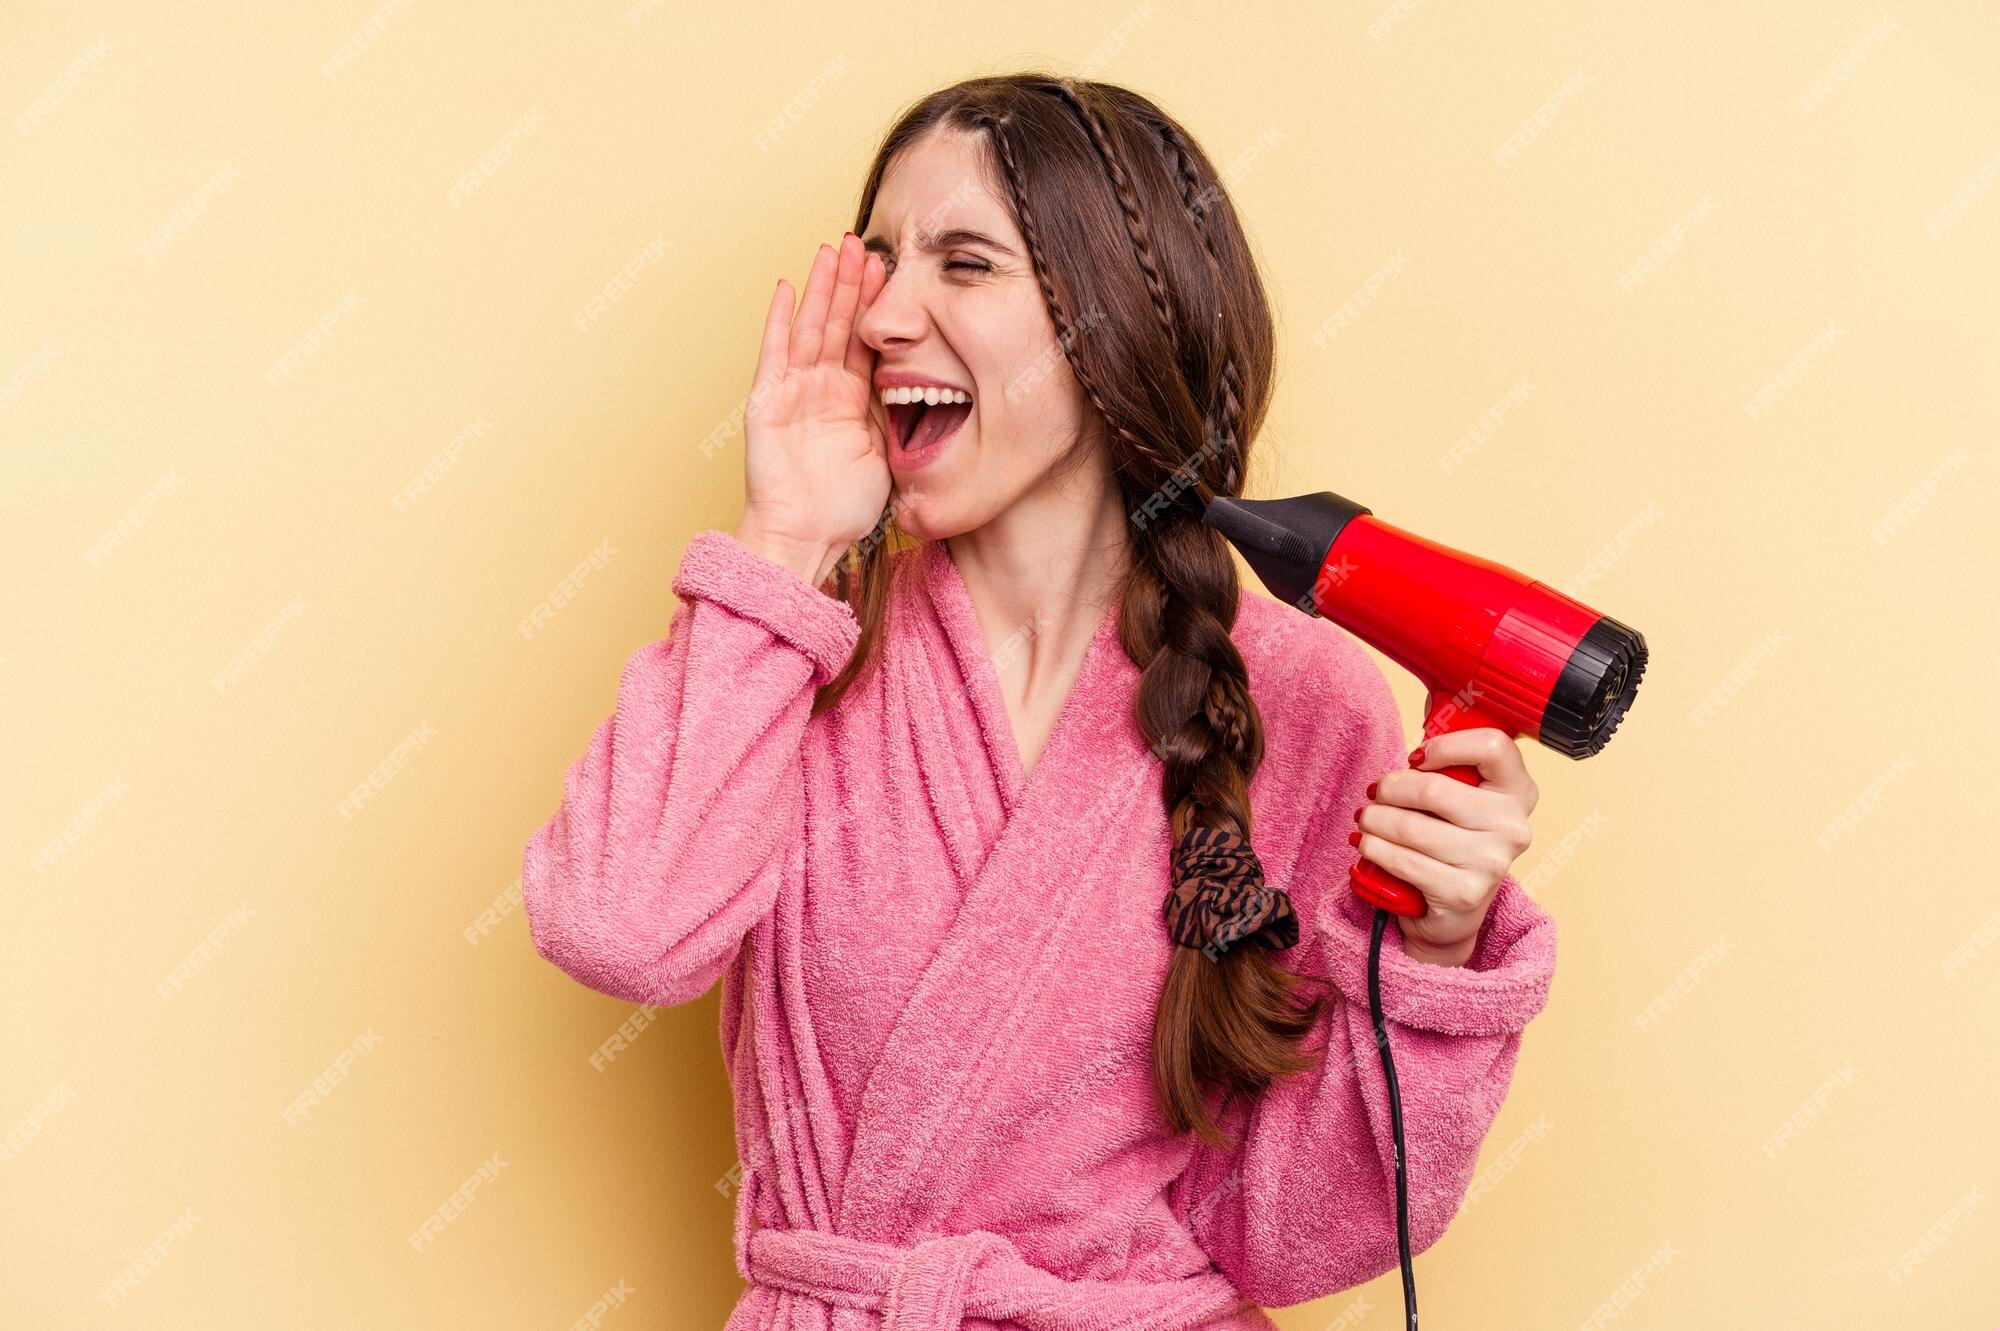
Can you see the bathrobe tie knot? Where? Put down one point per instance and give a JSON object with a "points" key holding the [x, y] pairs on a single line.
{"points": [[936, 1283]]}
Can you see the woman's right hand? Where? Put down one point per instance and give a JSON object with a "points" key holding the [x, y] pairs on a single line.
{"points": [[816, 464]]}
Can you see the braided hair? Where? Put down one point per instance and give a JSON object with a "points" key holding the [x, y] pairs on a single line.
{"points": [[1170, 337]]}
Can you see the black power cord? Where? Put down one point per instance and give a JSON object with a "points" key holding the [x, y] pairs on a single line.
{"points": [[1395, 1115]]}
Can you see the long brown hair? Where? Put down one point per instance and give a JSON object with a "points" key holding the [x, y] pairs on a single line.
{"points": [[1160, 311]]}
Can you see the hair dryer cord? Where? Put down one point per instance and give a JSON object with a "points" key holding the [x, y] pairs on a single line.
{"points": [[1395, 1116]]}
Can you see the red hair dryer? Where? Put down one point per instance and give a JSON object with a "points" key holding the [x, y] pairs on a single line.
{"points": [[1492, 647]]}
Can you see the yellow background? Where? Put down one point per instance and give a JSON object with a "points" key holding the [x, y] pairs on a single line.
{"points": [[229, 514]]}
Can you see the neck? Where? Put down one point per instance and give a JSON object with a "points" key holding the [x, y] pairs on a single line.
{"points": [[1042, 576]]}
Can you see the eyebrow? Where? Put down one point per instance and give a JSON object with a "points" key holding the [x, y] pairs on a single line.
{"points": [[941, 240]]}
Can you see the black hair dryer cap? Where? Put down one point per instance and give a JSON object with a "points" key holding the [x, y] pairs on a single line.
{"points": [[1285, 541]]}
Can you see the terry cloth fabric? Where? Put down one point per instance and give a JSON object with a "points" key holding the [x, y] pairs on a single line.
{"points": [[939, 976]]}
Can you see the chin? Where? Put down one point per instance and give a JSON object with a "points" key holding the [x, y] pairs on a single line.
{"points": [[919, 518]]}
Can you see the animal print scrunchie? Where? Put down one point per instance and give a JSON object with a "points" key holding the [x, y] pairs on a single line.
{"points": [[1219, 897]]}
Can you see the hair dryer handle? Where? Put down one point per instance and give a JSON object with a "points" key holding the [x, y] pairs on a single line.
{"points": [[1376, 885]]}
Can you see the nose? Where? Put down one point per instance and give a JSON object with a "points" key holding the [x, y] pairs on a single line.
{"points": [[896, 317]]}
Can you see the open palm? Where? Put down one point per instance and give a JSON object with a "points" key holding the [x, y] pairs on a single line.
{"points": [[816, 459]]}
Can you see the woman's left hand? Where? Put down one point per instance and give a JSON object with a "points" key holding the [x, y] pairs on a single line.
{"points": [[1451, 841]]}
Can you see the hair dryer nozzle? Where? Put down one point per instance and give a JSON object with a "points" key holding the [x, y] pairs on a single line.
{"points": [[1596, 686], [1285, 541]]}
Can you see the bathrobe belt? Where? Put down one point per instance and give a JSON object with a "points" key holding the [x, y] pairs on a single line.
{"points": [[938, 1283]]}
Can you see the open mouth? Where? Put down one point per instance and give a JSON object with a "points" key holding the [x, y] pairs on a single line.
{"points": [[916, 426]]}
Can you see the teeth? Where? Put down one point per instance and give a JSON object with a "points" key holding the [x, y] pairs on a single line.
{"points": [[892, 397]]}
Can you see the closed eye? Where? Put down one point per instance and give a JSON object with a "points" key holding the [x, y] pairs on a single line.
{"points": [[889, 265]]}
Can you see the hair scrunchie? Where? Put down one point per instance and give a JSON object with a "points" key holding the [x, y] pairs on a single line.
{"points": [[1219, 897]]}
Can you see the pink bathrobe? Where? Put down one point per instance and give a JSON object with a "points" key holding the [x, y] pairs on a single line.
{"points": [[939, 978]]}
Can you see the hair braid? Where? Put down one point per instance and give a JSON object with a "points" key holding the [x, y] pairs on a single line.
{"points": [[1059, 311], [1229, 383], [1128, 203]]}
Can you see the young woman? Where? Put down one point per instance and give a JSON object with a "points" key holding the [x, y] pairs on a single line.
{"points": [[1023, 1032]]}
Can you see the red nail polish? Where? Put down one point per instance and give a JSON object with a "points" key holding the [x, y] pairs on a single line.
{"points": [[1417, 758], [1371, 789], [1354, 838], [1357, 813]]}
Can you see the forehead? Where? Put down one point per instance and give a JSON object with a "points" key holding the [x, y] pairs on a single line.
{"points": [[943, 180]]}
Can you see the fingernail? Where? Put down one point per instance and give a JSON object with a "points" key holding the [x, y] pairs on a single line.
{"points": [[1357, 813], [1417, 758], [1371, 789], [1354, 838]]}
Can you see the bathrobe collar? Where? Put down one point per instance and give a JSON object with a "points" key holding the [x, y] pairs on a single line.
{"points": [[1027, 894], [951, 607]]}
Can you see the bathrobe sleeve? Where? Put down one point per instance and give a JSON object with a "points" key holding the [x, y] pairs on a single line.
{"points": [[678, 821], [1304, 1205]]}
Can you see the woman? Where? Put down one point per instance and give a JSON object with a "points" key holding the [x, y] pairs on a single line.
{"points": [[1022, 1031]]}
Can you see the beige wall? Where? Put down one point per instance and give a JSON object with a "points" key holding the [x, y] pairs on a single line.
{"points": [[1775, 891]]}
